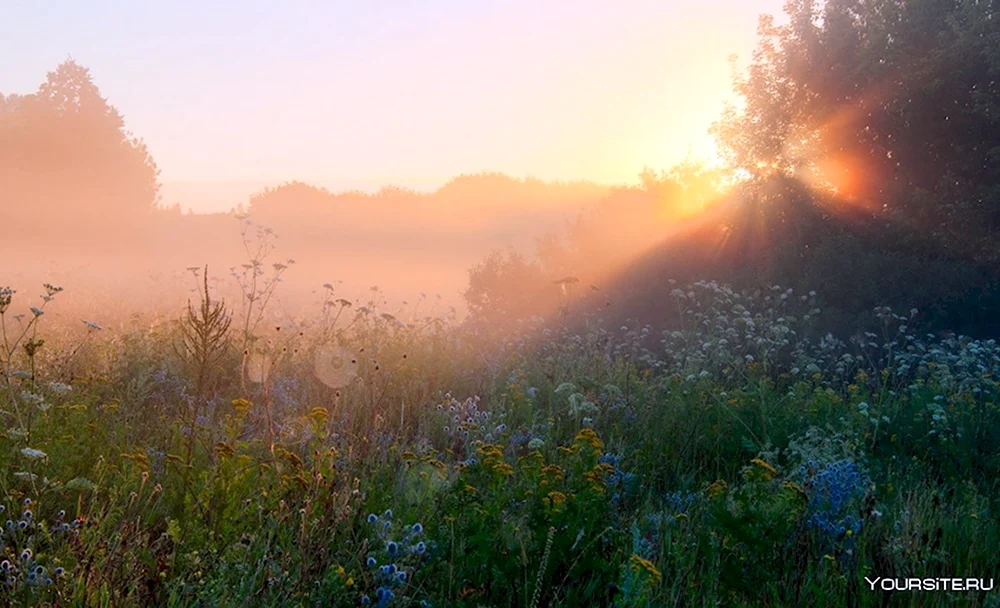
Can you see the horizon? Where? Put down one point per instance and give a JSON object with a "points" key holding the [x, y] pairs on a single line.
{"points": [[439, 90]]}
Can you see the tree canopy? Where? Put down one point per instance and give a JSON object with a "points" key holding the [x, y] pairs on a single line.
{"points": [[889, 104], [66, 158]]}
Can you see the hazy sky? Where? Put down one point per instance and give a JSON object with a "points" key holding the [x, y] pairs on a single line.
{"points": [[403, 92]]}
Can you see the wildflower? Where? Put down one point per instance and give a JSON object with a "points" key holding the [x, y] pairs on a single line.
{"points": [[421, 547], [392, 547], [37, 311], [387, 514], [91, 325], [556, 498], [418, 528], [26, 554], [242, 406], [28, 515], [768, 470], [640, 564], [6, 295], [401, 575], [60, 571], [717, 488], [372, 518], [371, 562], [33, 454], [60, 387]]}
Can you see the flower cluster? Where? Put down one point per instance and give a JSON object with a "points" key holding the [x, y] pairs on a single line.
{"points": [[835, 491], [400, 552], [622, 485]]}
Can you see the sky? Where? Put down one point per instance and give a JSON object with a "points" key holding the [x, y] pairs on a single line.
{"points": [[234, 96]]}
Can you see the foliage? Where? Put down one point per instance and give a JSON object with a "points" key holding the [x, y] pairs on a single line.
{"points": [[745, 460]]}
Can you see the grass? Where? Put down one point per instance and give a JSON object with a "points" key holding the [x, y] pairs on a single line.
{"points": [[737, 460]]}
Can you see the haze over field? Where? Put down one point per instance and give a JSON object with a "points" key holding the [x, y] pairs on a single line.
{"points": [[405, 93], [466, 304], [356, 100]]}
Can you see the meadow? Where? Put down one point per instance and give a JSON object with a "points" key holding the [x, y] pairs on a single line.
{"points": [[361, 457], [765, 377]]}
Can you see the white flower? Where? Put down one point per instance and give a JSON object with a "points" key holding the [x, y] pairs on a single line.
{"points": [[33, 454], [92, 325], [37, 311], [59, 387]]}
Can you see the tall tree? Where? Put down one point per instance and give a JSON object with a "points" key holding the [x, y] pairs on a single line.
{"points": [[890, 104], [67, 162]]}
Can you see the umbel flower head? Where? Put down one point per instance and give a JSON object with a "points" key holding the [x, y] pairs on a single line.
{"points": [[33, 454], [6, 295]]}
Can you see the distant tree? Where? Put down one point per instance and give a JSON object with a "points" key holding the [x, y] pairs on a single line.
{"points": [[290, 197], [67, 162], [507, 286], [890, 104]]}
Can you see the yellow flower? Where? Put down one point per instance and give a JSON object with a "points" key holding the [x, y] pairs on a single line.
{"points": [[553, 471], [319, 416], [242, 406], [139, 458], [762, 464], [717, 488], [589, 437], [640, 564], [224, 450]]}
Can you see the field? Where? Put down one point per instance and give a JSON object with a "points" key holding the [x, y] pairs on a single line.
{"points": [[359, 458]]}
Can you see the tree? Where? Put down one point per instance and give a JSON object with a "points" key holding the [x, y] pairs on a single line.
{"points": [[67, 162], [891, 105]]}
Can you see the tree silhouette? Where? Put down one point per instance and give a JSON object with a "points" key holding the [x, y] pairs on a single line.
{"points": [[890, 104], [67, 162]]}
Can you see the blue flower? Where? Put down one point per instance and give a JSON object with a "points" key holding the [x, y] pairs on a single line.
{"points": [[392, 547], [834, 493], [372, 518], [417, 528], [371, 562], [387, 514]]}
